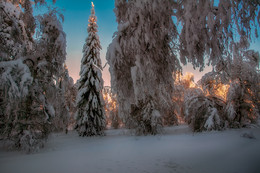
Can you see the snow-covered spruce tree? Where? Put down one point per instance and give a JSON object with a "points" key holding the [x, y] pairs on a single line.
{"points": [[141, 62], [90, 116]]}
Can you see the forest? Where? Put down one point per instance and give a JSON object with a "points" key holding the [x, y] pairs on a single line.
{"points": [[149, 91]]}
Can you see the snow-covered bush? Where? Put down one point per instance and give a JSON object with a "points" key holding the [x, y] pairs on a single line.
{"points": [[24, 106], [203, 112], [146, 119], [239, 71], [15, 80], [236, 80], [30, 141]]}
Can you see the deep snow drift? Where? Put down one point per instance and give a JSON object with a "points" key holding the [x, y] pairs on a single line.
{"points": [[176, 151]]}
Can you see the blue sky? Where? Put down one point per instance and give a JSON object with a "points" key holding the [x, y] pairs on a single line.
{"points": [[76, 15]]}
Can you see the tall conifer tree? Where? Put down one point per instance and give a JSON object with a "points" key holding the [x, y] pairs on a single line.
{"points": [[90, 104]]}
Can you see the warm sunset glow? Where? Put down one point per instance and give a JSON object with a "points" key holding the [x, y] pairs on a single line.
{"points": [[92, 4], [219, 89], [41, 107], [249, 92], [91, 21], [110, 104], [222, 90], [189, 78], [66, 67], [186, 82], [182, 84]]}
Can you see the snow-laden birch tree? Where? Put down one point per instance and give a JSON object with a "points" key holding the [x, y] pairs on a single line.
{"points": [[141, 62], [29, 67], [209, 28]]}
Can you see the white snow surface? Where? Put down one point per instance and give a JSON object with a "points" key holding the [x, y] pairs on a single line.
{"points": [[178, 150]]}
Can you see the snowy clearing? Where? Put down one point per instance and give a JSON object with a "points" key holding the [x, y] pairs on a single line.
{"points": [[178, 150]]}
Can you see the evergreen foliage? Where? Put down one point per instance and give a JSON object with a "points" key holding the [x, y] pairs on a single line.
{"points": [[90, 116]]}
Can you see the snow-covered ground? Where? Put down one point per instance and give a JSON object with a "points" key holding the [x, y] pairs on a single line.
{"points": [[176, 151]]}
